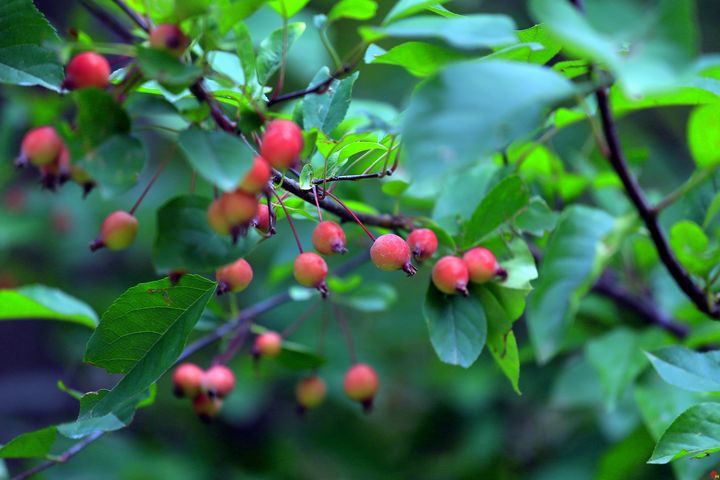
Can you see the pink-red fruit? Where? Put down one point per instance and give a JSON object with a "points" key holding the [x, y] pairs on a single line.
{"points": [[310, 270], [117, 231], [187, 379], [258, 176], [87, 69], [423, 243], [262, 218], [268, 344], [310, 392], [450, 275], [281, 143], [218, 381], [40, 146], [234, 277], [232, 210], [361, 384], [390, 252], [169, 37], [328, 238], [206, 407], [482, 265]]}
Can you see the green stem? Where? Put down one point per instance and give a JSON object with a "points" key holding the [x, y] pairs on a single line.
{"points": [[695, 180]]}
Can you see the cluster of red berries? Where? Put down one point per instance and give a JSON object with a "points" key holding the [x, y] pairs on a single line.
{"points": [[478, 265], [206, 388], [391, 252]]}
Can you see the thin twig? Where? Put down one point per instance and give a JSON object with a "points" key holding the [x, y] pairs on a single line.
{"points": [[154, 178], [290, 221], [109, 21], [352, 214], [346, 333], [318, 89], [140, 21], [62, 458]]}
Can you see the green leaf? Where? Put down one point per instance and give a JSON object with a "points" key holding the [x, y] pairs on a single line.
{"points": [[538, 34], [115, 164], [167, 69], [31, 444], [219, 157], [537, 219], [468, 32], [142, 334], [405, 8], [498, 207], [287, 8], [567, 270], [712, 210], [688, 369], [443, 130], [691, 245], [245, 51], [25, 58], [184, 240], [229, 13], [394, 188], [356, 9], [299, 357], [618, 358], [41, 302], [190, 8], [99, 117], [647, 46], [457, 326], [504, 351], [696, 432], [269, 55], [419, 58], [704, 135], [369, 297], [325, 111]]}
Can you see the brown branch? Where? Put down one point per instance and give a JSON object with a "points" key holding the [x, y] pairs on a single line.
{"points": [[140, 21], [62, 458], [318, 89], [109, 21]]}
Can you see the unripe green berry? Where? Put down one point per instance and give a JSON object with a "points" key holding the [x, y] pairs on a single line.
{"points": [[310, 392]]}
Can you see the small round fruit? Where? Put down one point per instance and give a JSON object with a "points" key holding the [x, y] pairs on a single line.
{"points": [[328, 238], [234, 277], [206, 407], [268, 344], [310, 269], [423, 243], [187, 378], [216, 217], [169, 37], [262, 218], [238, 207], [218, 381], [281, 143], [361, 384], [258, 176], [310, 392], [450, 275], [390, 252], [41, 146], [87, 69], [117, 231], [481, 264]]}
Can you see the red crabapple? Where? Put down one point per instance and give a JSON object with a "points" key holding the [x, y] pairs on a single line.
{"points": [[361, 384], [310, 270], [328, 238], [187, 378], [87, 69], [310, 392], [390, 252], [258, 176], [262, 218], [206, 407], [450, 275], [169, 37], [40, 146], [423, 243], [482, 265], [117, 231], [218, 381], [282, 142], [234, 277], [268, 344]]}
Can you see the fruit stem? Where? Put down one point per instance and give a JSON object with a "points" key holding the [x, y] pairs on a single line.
{"points": [[346, 333], [352, 214], [317, 203], [155, 176], [290, 221], [292, 328]]}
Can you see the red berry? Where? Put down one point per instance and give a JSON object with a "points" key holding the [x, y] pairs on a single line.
{"points": [[87, 69], [262, 218], [423, 243], [169, 37], [117, 232], [206, 407], [234, 277], [268, 344], [310, 269], [40, 146], [216, 217], [231, 210], [218, 381], [310, 392], [258, 176], [361, 384], [328, 238], [450, 275], [390, 252], [482, 265], [187, 378], [281, 143]]}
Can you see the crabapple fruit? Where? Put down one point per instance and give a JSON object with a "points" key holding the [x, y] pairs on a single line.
{"points": [[169, 37], [262, 218], [450, 275], [268, 344], [40, 146], [282, 142], [423, 243], [310, 392], [206, 407], [234, 277], [361, 384], [328, 238], [482, 265], [310, 269], [218, 381], [87, 69], [390, 252], [258, 176], [187, 379], [117, 231]]}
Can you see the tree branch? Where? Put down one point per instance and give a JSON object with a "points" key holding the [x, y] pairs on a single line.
{"points": [[62, 458], [140, 21], [317, 89], [109, 21]]}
